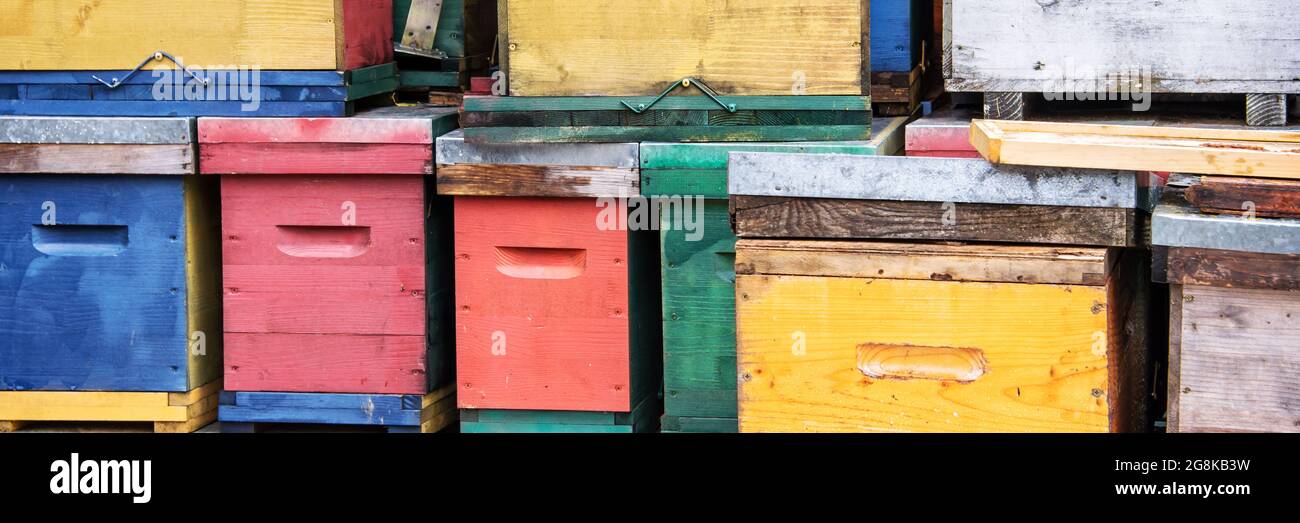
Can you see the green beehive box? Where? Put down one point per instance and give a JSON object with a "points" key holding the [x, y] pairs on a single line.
{"points": [[697, 263]]}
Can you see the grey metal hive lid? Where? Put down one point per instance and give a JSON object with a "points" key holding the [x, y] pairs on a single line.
{"points": [[452, 149], [96, 130]]}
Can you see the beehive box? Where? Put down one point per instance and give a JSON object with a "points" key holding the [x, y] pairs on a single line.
{"points": [[557, 302], [945, 133], [86, 35], [109, 292], [335, 259], [194, 58], [1014, 47], [905, 337], [748, 47], [849, 336], [698, 275], [1234, 344]]}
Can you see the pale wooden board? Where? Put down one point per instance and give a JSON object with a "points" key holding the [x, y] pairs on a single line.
{"points": [[1191, 150], [1238, 363], [538, 180], [957, 180], [924, 261], [639, 47], [97, 159], [1189, 46], [97, 35]]}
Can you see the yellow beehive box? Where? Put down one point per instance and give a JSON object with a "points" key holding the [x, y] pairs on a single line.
{"points": [[898, 337], [51, 35], [639, 47]]}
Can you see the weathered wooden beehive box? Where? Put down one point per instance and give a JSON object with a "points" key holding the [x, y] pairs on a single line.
{"points": [[1234, 274], [697, 263], [336, 268], [557, 288], [840, 332], [1011, 47], [194, 57], [109, 283]]}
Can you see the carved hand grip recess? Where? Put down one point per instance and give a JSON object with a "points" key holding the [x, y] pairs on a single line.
{"points": [[535, 263], [913, 362]]}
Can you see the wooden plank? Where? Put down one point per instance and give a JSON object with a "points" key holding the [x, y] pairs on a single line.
{"points": [[748, 47], [1181, 226], [1260, 197], [331, 409], [170, 412], [817, 355], [274, 34], [1233, 269], [1228, 152], [687, 424], [96, 130], [315, 158], [390, 126], [203, 280], [154, 108], [1238, 358], [685, 133], [777, 217], [1017, 46], [97, 159], [537, 180], [925, 261], [912, 179], [452, 149], [476, 104]]}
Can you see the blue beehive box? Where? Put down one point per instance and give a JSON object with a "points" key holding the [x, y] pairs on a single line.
{"points": [[109, 272]]}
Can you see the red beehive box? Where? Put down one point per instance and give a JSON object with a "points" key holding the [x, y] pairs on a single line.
{"points": [[323, 245], [945, 133], [554, 312]]}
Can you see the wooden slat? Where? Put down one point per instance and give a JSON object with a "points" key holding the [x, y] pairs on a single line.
{"points": [[96, 159], [1233, 269], [1264, 198], [924, 261], [537, 180], [1228, 152], [957, 180], [777, 217]]}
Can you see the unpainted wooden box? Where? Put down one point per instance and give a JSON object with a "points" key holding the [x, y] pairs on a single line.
{"points": [[109, 268], [335, 257], [79, 35], [916, 337], [1190, 46], [640, 47]]}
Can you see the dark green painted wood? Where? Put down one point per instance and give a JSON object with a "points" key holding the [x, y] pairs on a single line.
{"points": [[617, 134], [368, 89], [695, 103], [643, 418], [662, 118], [371, 74], [645, 330], [673, 424], [699, 311], [439, 275], [430, 79]]}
